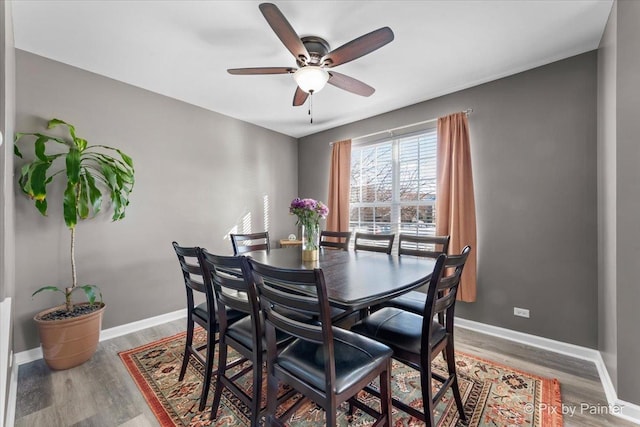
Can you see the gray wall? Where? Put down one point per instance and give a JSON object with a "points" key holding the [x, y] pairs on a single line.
{"points": [[628, 200], [533, 138], [198, 175], [619, 198], [607, 322], [7, 119], [7, 244]]}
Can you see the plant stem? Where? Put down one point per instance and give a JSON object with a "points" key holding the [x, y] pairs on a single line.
{"points": [[74, 279], [67, 299]]}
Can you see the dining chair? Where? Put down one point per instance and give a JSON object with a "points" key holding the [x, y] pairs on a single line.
{"points": [[374, 242], [338, 239], [243, 243], [420, 246], [423, 246], [417, 339], [234, 290], [326, 364], [203, 314]]}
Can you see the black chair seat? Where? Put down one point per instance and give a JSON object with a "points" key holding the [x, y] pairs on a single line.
{"points": [[355, 356], [232, 315], [201, 311], [242, 331], [413, 301], [399, 329]]}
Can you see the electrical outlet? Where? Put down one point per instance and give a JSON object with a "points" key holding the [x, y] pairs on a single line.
{"points": [[521, 312]]}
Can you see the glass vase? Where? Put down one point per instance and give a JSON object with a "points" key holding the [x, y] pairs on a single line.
{"points": [[310, 241]]}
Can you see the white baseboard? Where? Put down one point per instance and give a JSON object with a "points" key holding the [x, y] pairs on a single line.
{"points": [[605, 379], [620, 408], [628, 411], [5, 357], [107, 334], [27, 356], [121, 330], [13, 392], [532, 340]]}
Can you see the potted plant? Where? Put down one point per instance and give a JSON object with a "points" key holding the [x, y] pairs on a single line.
{"points": [[69, 333]]}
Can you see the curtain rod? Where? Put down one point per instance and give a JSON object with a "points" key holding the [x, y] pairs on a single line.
{"points": [[468, 111]]}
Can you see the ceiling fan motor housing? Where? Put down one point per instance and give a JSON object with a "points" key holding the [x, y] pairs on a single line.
{"points": [[317, 47]]}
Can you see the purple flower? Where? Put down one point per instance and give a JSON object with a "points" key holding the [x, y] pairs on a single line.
{"points": [[322, 209], [297, 203], [308, 211]]}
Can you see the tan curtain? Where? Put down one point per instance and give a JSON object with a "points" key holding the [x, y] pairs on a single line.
{"points": [[339, 181], [455, 203]]}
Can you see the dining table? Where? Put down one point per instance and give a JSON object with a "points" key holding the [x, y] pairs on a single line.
{"points": [[355, 280]]}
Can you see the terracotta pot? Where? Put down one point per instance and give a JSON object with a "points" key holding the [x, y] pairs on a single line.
{"points": [[69, 342]]}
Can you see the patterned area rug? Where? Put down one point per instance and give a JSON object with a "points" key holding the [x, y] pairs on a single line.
{"points": [[493, 395]]}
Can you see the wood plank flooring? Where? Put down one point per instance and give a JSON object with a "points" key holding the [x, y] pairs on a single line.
{"points": [[101, 393]]}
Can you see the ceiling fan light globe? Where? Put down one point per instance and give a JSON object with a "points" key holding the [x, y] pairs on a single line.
{"points": [[311, 78]]}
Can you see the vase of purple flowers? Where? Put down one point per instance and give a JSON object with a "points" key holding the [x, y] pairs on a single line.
{"points": [[309, 212]]}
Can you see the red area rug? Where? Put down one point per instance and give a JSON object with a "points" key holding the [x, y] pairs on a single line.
{"points": [[493, 394]]}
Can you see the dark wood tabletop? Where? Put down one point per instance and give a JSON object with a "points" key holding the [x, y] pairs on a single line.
{"points": [[356, 280]]}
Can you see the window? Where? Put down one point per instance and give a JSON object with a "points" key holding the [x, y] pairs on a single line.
{"points": [[393, 185]]}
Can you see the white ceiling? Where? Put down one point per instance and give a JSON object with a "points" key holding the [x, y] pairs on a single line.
{"points": [[182, 49]]}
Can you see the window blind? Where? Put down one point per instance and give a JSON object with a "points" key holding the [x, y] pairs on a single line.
{"points": [[393, 185]]}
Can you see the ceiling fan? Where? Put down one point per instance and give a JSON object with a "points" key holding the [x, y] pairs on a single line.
{"points": [[315, 59]]}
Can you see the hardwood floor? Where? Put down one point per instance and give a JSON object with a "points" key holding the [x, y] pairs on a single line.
{"points": [[101, 393]]}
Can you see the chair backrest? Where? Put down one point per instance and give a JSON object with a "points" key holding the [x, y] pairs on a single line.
{"points": [[230, 279], [339, 239], [441, 295], [422, 246], [243, 243], [374, 242], [193, 275], [282, 305]]}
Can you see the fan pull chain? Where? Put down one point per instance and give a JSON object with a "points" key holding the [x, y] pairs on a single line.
{"points": [[311, 106]]}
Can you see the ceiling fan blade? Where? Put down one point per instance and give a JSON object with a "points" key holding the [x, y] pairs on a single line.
{"points": [[262, 70], [299, 97], [284, 30], [350, 84], [359, 47]]}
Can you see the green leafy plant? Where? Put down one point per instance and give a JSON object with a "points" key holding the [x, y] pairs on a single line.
{"points": [[92, 174]]}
